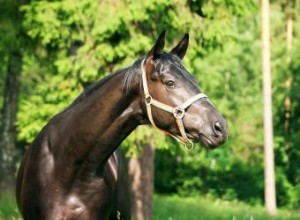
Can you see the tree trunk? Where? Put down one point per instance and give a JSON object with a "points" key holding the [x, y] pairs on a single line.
{"points": [[141, 174], [288, 82], [269, 173], [8, 151]]}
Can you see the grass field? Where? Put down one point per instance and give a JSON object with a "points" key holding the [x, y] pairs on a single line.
{"points": [[178, 208], [8, 208]]}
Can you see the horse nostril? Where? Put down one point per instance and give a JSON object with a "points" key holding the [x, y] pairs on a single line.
{"points": [[217, 128]]}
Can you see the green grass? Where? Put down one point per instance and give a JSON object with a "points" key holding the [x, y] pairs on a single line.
{"points": [[8, 208], [179, 208]]}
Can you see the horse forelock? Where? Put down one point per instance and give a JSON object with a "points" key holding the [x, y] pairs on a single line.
{"points": [[171, 59]]}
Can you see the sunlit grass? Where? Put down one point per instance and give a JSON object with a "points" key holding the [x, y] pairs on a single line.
{"points": [[8, 208], [178, 208]]}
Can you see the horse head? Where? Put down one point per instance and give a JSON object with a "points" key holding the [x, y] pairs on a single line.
{"points": [[173, 101]]}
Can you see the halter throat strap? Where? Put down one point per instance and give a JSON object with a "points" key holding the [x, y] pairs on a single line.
{"points": [[178, 111]]}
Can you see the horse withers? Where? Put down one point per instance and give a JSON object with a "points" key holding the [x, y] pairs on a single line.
{"points": [[73, 170]]}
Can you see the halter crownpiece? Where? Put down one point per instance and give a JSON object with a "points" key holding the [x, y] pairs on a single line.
{"points": [[178, 111]]}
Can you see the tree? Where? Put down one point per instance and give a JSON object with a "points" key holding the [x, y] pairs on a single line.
{"points": [[8, 148], [270, 193], [288, 82], [8, 133], [141, 174]]}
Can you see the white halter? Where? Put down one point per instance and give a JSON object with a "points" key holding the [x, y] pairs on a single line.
{"points": [[178, 111]]}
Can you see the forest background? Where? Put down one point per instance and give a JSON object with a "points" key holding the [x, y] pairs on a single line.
{"points": [[51, 50]]}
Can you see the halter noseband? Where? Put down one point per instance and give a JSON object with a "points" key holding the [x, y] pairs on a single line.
{"points": [[178, 111]]}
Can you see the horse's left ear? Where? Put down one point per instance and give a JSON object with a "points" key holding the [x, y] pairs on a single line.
{"points": [[181, 48]]}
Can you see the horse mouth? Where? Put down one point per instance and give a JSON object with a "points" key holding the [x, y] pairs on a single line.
{"points": [[203, 140]]}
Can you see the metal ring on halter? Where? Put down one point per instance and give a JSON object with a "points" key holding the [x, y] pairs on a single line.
{"points": [[178, 112], [190, 143], [148, 99]]}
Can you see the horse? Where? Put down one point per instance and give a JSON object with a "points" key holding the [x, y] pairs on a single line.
{"points": [[73, 169]]}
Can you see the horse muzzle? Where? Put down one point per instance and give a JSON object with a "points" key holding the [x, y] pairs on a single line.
{"points": [[210, 133]]}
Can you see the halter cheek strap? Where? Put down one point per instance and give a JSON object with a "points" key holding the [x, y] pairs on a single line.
{"points": [[178, 111]]}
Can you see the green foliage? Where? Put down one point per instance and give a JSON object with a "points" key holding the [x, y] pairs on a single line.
{"points": [[133, 144], [8, 25], [210, 172], [50, 94], [8, 30], [230, 74]]}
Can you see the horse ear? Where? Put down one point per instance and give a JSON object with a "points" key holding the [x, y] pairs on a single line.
{"points": [[181, 47], [157, 48]]}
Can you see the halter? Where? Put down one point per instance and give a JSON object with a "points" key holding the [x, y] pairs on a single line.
{"points": [[178, 111]]}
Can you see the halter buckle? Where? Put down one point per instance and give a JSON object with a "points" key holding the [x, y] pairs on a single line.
{"points": [[178, 112]]}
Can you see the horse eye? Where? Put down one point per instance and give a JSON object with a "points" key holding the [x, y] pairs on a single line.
{"points": [[169, 83]]}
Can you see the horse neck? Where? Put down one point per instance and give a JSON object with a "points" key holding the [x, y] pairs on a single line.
{"points": [[101, 120]]}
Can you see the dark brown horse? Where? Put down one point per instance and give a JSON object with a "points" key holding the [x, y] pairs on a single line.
{"points": [[73, 169]]}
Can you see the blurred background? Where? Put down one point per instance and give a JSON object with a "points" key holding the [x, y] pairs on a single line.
{"points": [[50, 51]]}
